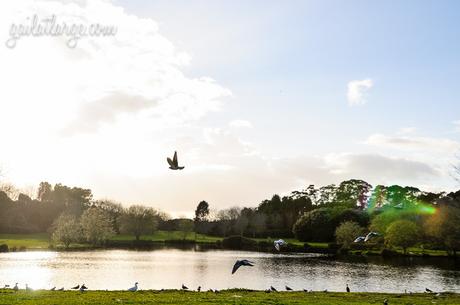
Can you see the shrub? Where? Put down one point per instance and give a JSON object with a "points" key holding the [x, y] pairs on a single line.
{"points": [[402, 233], [347, 232], [4, 248], [316, 225]]}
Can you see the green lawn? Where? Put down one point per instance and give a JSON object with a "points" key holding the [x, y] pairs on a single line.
{"points": [[161, 236], [7, 297], [41, 241], [28, 241]]}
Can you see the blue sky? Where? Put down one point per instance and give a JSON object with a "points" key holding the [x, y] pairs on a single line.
{"points": [[268, 94], [288, 64]]}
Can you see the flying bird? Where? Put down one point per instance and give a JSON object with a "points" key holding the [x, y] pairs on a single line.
{"points": [[184, 287], [240, 263], [370, 235], [399, 206], [61, 289], [83, 288], [428, 290], [273, 288], [174, 163], [76, 287], [385, 302], [134, 288], [359, 239], [279, 243], [54, 288], [288, 288]]}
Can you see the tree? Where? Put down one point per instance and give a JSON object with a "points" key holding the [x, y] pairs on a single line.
{"points": [[113, 210], [402, 233], [242, 222], [138, 220], [201, 214], [185, 226], [444, 225], [66, 230], [202, 211], [96, 226], [347, 232], [353, 193], [316, 225], [45, 192]]}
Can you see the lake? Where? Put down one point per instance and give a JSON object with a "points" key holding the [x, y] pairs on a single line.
{"points": [[168, 268]]}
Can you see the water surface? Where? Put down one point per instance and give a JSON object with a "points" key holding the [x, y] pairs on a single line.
{"points": [[169, 268]]}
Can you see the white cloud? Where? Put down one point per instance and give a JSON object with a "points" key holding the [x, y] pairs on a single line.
{"points": [[240, 124], [105, 105], [407, 130], [457, 125], [414, 143], [357, 91]]}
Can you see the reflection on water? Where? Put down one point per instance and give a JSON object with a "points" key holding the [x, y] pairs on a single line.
{"points": [[169, 268]]}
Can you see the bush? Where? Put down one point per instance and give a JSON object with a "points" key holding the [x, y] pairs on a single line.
{"points": [[4, 248], [239, 242], [347, 232], [316, 225], [402, 233], [66, 230]]}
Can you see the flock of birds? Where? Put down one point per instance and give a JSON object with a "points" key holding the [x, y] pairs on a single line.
{"points": [[81, 288]]}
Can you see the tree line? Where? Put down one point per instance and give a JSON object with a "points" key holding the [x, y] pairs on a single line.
{"points": [[402, 216]]}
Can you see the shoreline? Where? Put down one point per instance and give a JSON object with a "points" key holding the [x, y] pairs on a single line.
{"points": [[21, 243]]}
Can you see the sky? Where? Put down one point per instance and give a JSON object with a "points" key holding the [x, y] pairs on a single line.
{"points": [[258, 98]]}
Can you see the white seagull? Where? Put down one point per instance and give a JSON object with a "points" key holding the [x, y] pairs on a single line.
{"points": [[370, 235], [279, 243]]}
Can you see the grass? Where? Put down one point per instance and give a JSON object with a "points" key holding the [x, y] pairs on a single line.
{"points": [[42, 241], [161, 236], [223, 297], [25, 241]]}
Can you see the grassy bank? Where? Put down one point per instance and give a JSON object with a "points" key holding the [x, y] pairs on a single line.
{"points": [[223, 297], [20, 242]]}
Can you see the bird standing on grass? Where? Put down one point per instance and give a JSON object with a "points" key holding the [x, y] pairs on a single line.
{"points": [[184, 287], [134, 288], [348, 288], [83, 288], [198, 289], [273, 288], [16, 288]]}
